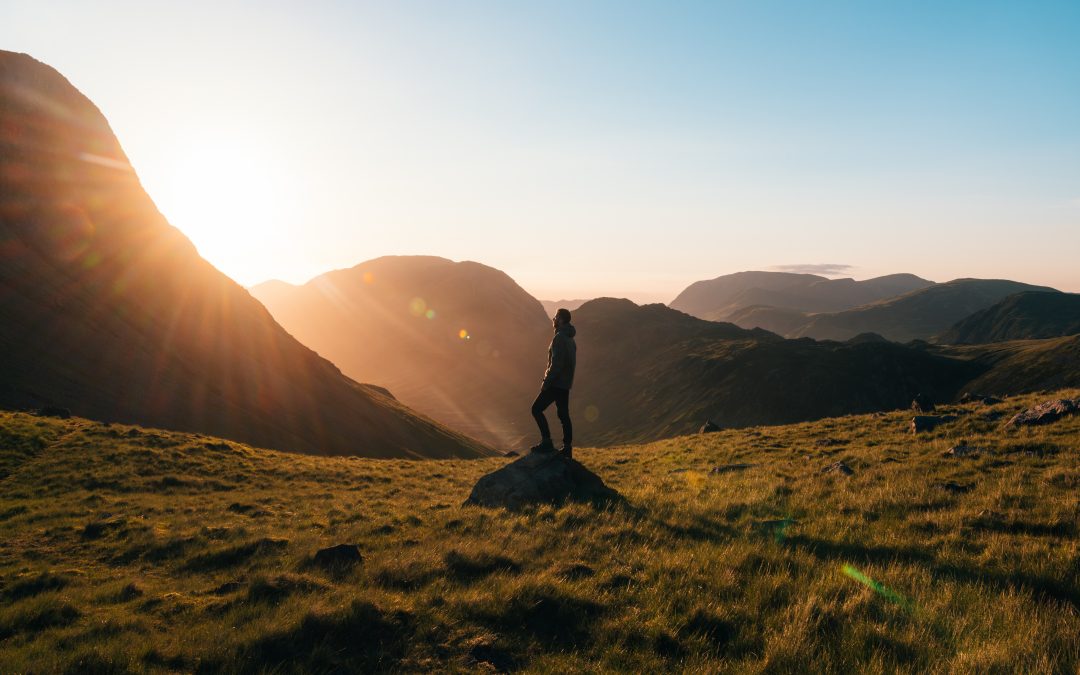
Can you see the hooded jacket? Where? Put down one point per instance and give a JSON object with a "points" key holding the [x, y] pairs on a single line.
{"points": [[562, 358]]}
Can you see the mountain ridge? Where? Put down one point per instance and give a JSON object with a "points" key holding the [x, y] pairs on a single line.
{"points": [[1023, 316], [108, 310]]}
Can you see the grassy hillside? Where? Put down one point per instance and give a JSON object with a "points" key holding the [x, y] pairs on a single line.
{"points": [[1021, 365], [649, 372], [1024, 316], [132, 549]]}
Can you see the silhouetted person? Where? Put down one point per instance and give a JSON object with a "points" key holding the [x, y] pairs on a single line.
{"points": [[558, 378]]}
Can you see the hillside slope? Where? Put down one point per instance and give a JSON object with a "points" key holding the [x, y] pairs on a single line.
{"points": [[109, 311], [919, 315], [398, 322], [717, 299], [1021, 366], [1024, 316], [128, 549], [646, 372]]}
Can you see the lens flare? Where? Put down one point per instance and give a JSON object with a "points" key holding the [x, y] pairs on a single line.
{"points": [[876, 587], [463, 334], [417, 306], [430, 314], [592, 413], [369, 277]]}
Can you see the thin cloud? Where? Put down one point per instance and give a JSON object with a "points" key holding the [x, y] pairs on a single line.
{"points": [[824, 269]]}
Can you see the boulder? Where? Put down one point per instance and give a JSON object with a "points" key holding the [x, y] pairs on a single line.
{"points": [[921, 423], [54, 411], [338, 557], [541, 478], [709, 427], [1045, 413], [922, 404]]}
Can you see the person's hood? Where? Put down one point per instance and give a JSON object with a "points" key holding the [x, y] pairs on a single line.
{"points": [[568, 330]]}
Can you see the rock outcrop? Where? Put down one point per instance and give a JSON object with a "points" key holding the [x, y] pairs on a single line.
{"points": [[541, 478], [339, 556], [1045, 413]]}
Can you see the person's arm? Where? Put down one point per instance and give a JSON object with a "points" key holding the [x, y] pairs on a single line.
{"points": [[558, 358]]}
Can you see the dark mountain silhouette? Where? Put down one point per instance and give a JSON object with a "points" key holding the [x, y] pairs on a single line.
{"points": [[398, 322], [718, 299], [107, 310], [648, 372], [1022, 316], [551, 306], [918, 315]]}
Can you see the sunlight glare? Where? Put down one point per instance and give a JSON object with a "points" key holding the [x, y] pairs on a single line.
{"points": [[227, 193]]}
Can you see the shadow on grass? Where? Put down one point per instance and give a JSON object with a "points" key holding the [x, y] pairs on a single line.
{"points": [[361, 639], [1047, 588], [25, 588], [466, 568], [543, 613], [233, 555]]}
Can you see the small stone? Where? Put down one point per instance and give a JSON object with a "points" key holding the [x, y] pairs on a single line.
{"points": [[962, 450], [339, 556], [838, 467]]}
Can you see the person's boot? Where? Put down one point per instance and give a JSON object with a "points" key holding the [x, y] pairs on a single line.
{"points": [[567, 451], [545, 445]]}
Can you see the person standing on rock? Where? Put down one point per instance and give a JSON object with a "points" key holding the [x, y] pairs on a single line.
{"points": [[558, 378]]}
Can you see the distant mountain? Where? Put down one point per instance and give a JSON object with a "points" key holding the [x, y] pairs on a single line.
{"points": [[720, 298], [773, 319], [1022, 316], [918, 315], [551, 306], [107, 310], [459, 341], [648, 372]]}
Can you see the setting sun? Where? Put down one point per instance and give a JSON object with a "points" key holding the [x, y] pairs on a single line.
{"points": [[227, 193]]}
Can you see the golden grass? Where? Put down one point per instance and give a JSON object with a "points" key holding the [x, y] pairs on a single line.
{"points": [[127, 549]]}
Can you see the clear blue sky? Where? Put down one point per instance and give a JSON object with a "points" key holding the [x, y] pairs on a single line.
{"points": [[592, 148]]}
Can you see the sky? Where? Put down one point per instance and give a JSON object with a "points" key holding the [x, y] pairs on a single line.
{"points": [[593, 148]]}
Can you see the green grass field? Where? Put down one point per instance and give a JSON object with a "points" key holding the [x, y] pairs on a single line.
{"points": [[127, 549]]}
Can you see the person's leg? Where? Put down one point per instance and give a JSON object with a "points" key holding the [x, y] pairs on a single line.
{"points": [[562, 407], [543, 400]]}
